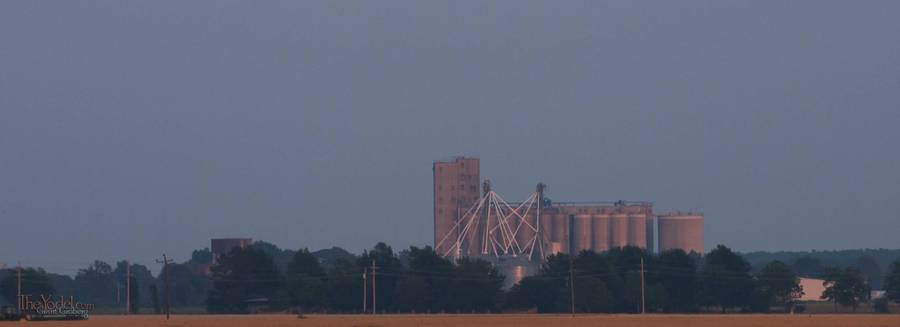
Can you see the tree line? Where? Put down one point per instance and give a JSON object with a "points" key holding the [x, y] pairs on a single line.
{"points": [[99, 283], [874, 264], [676, 282], [263, 277], [423, 282]]}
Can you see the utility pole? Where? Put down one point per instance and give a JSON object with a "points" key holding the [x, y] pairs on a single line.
{"points": [[127, 287], [166, 261], [643, 301], [572, 283], [365, 285], [834, 298], [19, 287], [374, 298]]}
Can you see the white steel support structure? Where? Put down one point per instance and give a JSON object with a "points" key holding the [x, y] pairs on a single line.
{"points": [[492, 225]]}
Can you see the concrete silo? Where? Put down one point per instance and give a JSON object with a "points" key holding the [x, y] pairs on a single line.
{"points": [[581, 239], [560, 241], [547, 232], [618, 230], [637, 229], [681, 231], [600, 235]]}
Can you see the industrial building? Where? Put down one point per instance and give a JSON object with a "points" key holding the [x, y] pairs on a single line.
{"points": [[812, 289], [470, 219], [456, 186]]}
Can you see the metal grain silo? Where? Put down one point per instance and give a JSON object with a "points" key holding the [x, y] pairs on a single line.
{"points": [[600, 236], [582, 230], [619, 230], [681, 231]]}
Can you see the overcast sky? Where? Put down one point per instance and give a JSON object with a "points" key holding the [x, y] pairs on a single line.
{"points": [[130, 129]]}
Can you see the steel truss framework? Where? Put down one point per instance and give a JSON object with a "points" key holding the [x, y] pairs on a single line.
{"points": [[495, 228]]}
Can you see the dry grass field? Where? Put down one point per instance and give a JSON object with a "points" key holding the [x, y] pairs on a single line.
{"points": [[861, 320]]}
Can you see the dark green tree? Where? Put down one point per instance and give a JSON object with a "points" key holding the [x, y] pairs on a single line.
{"points": [[145, 280], [121, 276], [97, 284], [881, 305], [203, 256], [548, 291], [536, 292], [189, 287], [870, 270], [593, 273], [241, 275], [345, 286], [726, 280], [807, 266], [892, 282], [62, 284], [592, 295], [557, 265], [327, 257], [154, 297], [677, 272], [35, 282], [412, 294], [281, 257], [476, 287], [625, 283], [658, 299], [305, 281], [607, 282], [846, 287], [389, 269], [135, 304], [777, 285], [436, 271]]}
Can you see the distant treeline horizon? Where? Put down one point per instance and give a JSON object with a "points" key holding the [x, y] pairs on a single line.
{"points": [[840, 257], [329, 280]]}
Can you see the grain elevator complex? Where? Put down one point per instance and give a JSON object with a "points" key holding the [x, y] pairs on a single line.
{"points": [[470, 219]]}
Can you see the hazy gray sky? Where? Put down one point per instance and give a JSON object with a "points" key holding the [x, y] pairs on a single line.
{"points": [[129, 129]]}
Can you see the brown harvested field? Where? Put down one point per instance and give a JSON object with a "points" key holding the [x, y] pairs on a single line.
{"points": [[861, 320]]}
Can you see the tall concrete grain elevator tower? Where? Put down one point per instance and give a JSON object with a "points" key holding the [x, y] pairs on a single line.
{"points": [[456, 189]]}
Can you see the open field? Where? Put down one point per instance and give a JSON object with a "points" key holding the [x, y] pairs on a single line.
{"points": [[861, 320]]}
